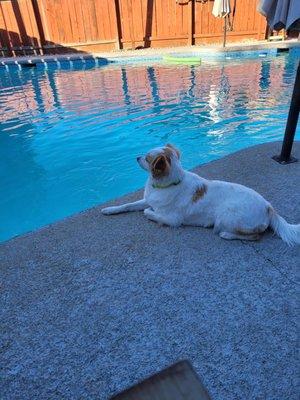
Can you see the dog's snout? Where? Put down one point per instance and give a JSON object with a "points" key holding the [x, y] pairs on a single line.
{"points": [[138, 158]]}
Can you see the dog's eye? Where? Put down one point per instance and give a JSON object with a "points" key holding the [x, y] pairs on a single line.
{"points": [[149, 159]]}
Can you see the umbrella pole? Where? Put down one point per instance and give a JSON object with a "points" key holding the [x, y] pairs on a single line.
{"points": [[225, 30], [291, 125]]}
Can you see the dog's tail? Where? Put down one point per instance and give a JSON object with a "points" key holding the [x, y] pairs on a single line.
{"points": [[287, 232]]}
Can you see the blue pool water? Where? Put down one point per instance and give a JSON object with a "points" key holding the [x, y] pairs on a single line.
{"points": [[69, 138]]}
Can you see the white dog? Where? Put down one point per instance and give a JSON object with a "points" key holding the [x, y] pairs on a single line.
{"points": [[176, 197]]}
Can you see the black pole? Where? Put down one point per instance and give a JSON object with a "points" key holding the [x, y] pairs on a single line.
{"points": [[291, 125]]}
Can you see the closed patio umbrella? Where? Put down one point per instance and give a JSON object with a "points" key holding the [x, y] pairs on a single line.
{"points": [[221, 9], [280, 13]]}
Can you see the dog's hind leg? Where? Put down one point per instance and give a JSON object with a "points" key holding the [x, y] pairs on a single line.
{"points": [[139, 205], [233, 236]]}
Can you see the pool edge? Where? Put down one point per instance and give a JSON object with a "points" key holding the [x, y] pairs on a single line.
{"points": [[146, 55]]}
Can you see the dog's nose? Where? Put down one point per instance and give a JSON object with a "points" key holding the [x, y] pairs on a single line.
{"points": [[138, 159]]}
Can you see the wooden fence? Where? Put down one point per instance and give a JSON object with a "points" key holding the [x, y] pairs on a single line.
{"points": [[53, 26]]}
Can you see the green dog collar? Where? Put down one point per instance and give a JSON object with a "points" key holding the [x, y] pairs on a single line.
{"points": [[166, 186]]}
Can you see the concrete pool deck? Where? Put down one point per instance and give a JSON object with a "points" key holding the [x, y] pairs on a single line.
{"points": [[93, 304]]}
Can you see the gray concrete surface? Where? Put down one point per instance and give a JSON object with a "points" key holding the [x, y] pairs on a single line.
{"points": [[93, 304]]}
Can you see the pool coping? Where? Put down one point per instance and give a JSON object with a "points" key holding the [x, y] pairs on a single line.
{"points": [[147, 55]]}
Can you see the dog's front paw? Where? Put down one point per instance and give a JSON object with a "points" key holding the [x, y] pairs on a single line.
{"points": [[110, 210], [150, 214]]}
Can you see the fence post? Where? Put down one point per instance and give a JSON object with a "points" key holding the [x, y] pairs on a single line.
{"points": [[41, 21], [39, 24], [291, 125], [118, 25], [191, 22]]}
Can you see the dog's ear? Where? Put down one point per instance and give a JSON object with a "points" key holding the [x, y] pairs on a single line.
{"points": [[176, 151], [159, 166]]}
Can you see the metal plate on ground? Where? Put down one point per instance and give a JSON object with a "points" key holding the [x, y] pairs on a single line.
{"points": [[178, 382]]}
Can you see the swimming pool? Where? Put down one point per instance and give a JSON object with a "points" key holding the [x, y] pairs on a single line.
{"points": [[69, 138]]}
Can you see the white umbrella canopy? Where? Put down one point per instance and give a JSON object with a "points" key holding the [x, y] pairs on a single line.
{"points": [[280, 13], [221, 8]]}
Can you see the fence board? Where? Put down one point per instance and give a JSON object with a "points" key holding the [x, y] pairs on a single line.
{"points": [[99, 25]]}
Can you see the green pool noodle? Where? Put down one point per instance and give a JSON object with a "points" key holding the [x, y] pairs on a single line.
{"points": [[182, 60]]}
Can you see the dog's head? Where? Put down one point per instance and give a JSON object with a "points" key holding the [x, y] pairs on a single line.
{"points": [[160, 161]]}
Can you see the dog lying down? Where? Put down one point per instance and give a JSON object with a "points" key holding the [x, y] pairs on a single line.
{"points": [[176, 197]]}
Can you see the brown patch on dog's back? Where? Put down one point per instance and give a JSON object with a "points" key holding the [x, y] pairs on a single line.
{"points": [[199, 193]]}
